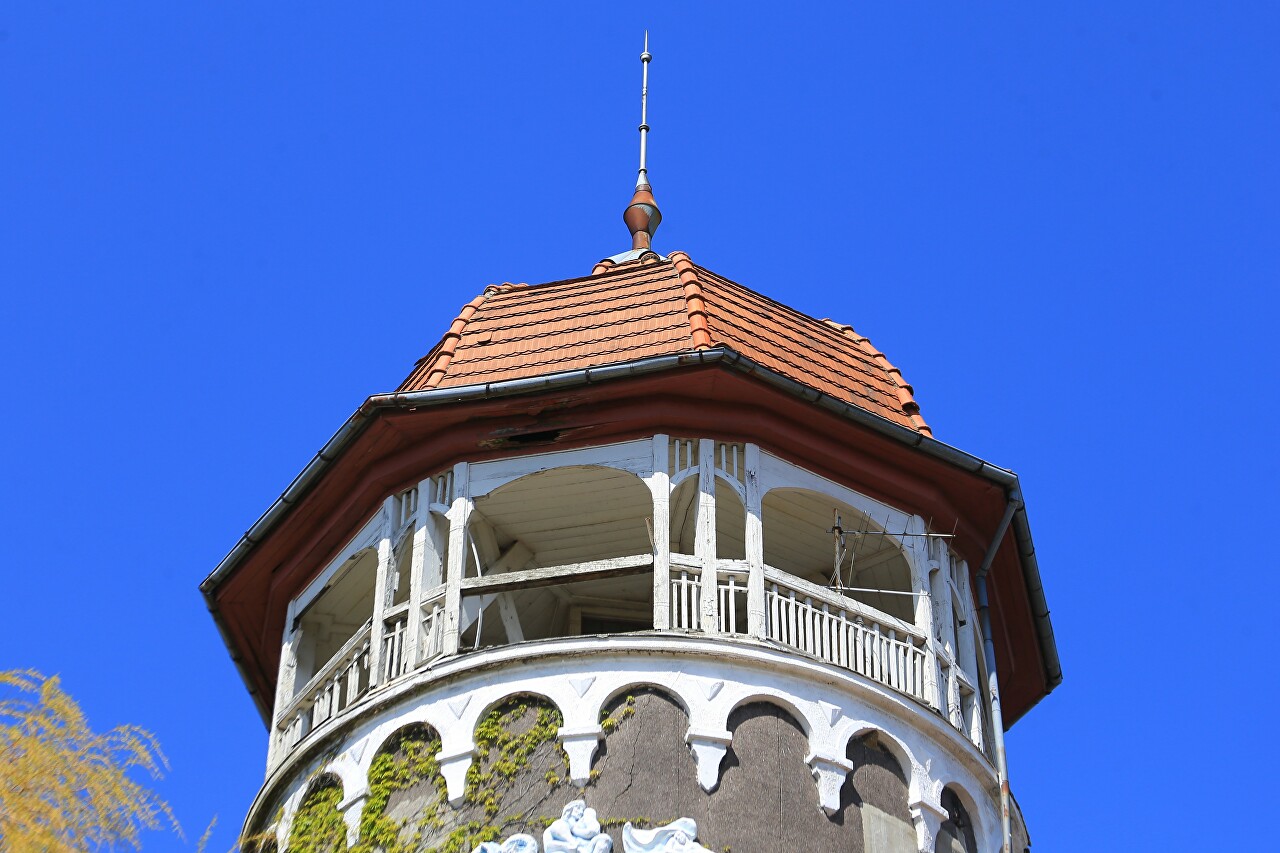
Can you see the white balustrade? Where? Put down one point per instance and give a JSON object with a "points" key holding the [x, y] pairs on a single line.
{"points": [[395, 632], [841, 631], [431, 630], [686, 598], [336, 687]]}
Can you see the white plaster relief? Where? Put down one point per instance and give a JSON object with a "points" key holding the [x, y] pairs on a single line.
{"points": [[831, 711], [582, 684], [710, 689], [577, 830], [679, 836], [457, 706]]}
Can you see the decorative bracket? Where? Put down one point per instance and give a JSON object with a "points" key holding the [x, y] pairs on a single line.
{"points": [[830, 774], [709, 749], [580, 745]]}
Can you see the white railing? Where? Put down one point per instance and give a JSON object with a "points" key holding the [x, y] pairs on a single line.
{"points": [[336, 687], [431, 629], [686, 595], [395, 633], [686, 598], [843, 632]]}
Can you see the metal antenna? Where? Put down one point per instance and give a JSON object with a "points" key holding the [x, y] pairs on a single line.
{"points": [[643, 178]]}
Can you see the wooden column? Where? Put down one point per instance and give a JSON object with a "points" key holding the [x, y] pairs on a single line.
{"points": [[380, 590], [459, 515], [704, 547], [421, 541], [756, 623], [659, 483]]}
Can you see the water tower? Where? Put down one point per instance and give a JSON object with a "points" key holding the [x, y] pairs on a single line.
{"points": [[631, 559]]}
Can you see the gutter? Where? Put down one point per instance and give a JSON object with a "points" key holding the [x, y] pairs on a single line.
{"points": [[372, 407], [993, 683]]}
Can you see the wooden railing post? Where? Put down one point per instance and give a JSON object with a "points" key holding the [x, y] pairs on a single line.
{"points": [[659, 483], [459, 516], [705, 542], [380, 589], [756, 621]]}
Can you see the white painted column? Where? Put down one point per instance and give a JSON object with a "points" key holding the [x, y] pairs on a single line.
{"points": [[417, 561], [705, 543], [756, 626], [459, 516], [286, 676], [659, 483], [921, 578], [380, 590]]}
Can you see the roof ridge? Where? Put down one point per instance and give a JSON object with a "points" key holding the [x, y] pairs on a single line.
{"points": [[906, 392], [449, 343], [693, 299]]}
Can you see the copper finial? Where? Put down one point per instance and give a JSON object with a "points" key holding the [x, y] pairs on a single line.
{"points": [[642, 215]]}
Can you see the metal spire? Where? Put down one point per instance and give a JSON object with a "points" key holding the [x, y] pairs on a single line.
{"points": [[643, 178], [642, 215]]}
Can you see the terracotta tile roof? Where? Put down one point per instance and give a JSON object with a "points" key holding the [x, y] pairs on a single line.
{"points": [[653, 307]]}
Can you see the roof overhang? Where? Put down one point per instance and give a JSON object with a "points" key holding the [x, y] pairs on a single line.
{"points": [[338, 450]]}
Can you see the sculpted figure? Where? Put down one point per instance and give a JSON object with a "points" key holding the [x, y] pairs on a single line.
{"points": [[576, 831], [679, 836], [518, 843]]}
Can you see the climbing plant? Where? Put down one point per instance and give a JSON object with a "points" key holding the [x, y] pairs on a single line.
{"points": [[318, 826], [508, 738]]}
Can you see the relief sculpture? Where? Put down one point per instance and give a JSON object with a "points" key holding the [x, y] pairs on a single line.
{"points": [[679, 836], [576, 831]]}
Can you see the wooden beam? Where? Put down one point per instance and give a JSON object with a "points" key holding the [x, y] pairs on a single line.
{"points": [[552, 575]]}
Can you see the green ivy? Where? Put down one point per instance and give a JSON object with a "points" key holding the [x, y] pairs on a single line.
{"points": [[501, 753], [318, 825]]}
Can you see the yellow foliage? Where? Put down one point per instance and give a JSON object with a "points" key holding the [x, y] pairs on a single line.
{"points": [[64, 787]]}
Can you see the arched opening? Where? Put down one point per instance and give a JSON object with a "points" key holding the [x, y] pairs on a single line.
{"points": [[406, 789], [593, 525], [318, 826], [956, 834], [879, 787], [334, 617], [798, 540]]}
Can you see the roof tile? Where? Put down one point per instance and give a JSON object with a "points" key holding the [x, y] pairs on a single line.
{"points": [[652, 307]]}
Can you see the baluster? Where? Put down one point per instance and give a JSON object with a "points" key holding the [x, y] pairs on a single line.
{"points": [[894, 674], [843, 650], [789, 619]]}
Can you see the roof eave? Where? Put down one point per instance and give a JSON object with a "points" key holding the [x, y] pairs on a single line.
{"points": [[361, 419]]}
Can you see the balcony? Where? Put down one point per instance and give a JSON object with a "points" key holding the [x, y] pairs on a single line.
{"points": [[628, 539]]}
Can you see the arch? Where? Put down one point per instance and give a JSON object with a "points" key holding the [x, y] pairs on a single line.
{"points": [[963, 819], [805, 722], [894, 746], [317, 823], [649, 684], [797, 527], [562, 516], [731, 521], [327, 779], [406, 759], [335, 614], [536, 696]]}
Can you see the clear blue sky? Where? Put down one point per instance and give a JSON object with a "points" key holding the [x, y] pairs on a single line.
{"points": [[222, 225]]}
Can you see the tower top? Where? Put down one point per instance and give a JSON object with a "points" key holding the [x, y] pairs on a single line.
{"points": [[642, 215]]}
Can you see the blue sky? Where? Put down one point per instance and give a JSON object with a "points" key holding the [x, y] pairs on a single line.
{"points": [[222, 225]]}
